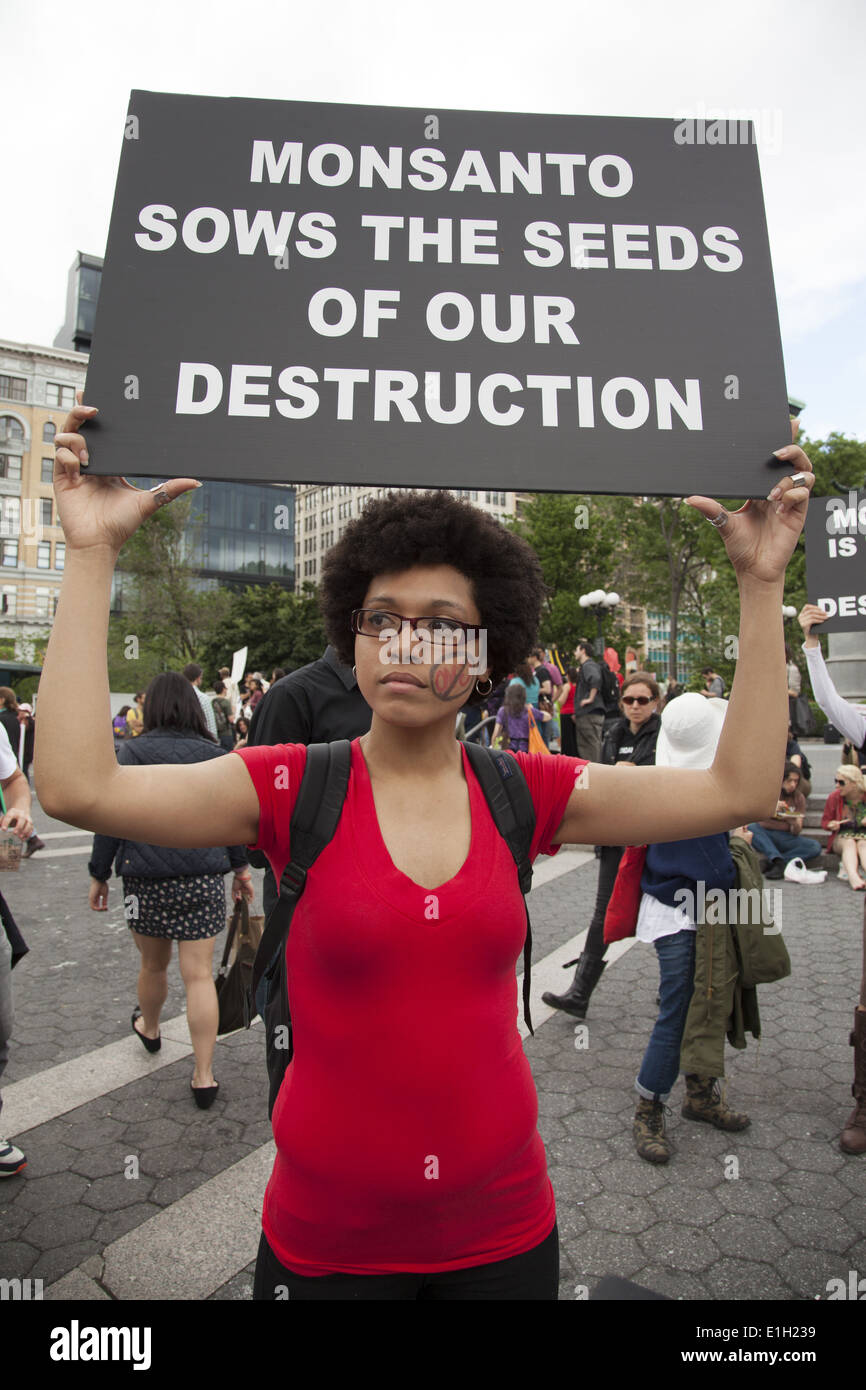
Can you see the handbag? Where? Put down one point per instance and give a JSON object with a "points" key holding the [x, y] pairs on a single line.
{"points": [[804, 719], [536, 742], [235, 974]]}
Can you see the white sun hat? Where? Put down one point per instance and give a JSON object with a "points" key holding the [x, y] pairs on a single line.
{"points": [[690, 730]]}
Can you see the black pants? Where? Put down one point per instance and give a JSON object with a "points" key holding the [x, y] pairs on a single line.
{"points": [[607, 867], [568, 735], [533, 1276]]}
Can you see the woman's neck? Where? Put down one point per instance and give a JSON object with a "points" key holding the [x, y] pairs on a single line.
{"points": [[393, 750]]}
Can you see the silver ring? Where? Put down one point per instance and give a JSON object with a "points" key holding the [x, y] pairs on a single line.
{"points": [[720, 520], [798, 477], [160, 495]]}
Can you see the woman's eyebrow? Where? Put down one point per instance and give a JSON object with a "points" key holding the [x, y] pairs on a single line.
{"points": [[433, 603]]}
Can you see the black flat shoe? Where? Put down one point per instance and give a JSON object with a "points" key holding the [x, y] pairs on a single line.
{"points": [[204, 1096], [152, 1044]]}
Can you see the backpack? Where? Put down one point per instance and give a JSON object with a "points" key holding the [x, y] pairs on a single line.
{"points": [[313, 825], [220, 717], [609, 688]]}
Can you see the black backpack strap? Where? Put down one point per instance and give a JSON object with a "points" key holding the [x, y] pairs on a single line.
{"points": [[513, 812], [314, 820]]}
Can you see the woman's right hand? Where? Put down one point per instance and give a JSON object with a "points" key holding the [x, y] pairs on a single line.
{"points": [[98, 895], [100, 512], [833, 824]]}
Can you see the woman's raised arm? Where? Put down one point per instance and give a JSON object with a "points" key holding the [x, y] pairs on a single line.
{"points": [[645, 805], [75, 770]]}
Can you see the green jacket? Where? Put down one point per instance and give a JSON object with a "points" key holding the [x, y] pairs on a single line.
{"points": [[731, 959]]}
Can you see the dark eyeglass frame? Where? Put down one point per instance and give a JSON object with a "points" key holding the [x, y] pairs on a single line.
{"points": [[357, 616], [843, 781], [637, 699]]}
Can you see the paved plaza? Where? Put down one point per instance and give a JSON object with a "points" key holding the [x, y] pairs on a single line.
{"points": [[131, 1192]]}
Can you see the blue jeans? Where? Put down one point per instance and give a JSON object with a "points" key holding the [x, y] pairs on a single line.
{"points": [[779, 844], [661, 1061]]}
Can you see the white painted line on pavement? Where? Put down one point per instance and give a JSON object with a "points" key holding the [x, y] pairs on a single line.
{"points": [[57, 1090], [194, 1246], [63, 834]]}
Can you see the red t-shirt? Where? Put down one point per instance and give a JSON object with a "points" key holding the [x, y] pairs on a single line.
{"points": [[406, 1122]]}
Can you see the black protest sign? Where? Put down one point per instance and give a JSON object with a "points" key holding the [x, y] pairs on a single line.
{"points": [[836, 560], [319, 293]]}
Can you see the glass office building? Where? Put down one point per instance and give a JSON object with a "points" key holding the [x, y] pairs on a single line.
{"points": [[238, 534]]}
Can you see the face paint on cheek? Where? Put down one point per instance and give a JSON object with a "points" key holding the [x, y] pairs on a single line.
{"points": [[450, 682]]}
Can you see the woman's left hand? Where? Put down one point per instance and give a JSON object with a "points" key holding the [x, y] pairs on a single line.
{"points": [[761, 536]]}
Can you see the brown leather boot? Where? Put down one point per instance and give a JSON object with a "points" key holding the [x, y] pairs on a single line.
{"points": [[648, 1129], [853, 1140], [704, 1102]]}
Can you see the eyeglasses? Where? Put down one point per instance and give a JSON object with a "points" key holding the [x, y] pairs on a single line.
{"points": [[372, 622], [635, 699], [842, 781]]}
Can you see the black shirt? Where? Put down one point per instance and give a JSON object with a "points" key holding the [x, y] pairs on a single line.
{"points": [[319, 703], [589, 679]]}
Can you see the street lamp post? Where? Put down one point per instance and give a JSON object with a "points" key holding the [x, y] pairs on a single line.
{"points": [[599, 602]]}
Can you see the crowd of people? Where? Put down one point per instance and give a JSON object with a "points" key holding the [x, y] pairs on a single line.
{"points": [[415, 896], [227, 707]]}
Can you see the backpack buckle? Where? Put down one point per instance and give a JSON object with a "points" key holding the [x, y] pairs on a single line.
{"points": [[296, 877]]}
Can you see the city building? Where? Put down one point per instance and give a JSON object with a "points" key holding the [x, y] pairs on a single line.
{"points": [[322, 513], [37, 388], [82, 292]]}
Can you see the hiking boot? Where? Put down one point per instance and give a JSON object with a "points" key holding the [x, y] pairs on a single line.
{"points": [[705, 1102], [575, 1000], [33, 844], [648, 1129], [12, 1160], [853, 1140]]}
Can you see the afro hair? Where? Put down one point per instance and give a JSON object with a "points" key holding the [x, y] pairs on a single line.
{"points": [[402, 530]]}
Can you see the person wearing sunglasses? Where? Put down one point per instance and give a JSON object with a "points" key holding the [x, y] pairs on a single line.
{"points": [[408, 1161], [845, 815], [630, 741]]}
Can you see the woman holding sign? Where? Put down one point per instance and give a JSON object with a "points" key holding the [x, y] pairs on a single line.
{"points": [[408, 1165]]}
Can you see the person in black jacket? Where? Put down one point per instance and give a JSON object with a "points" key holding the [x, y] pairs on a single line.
{"points": [[319, 703], [173, 894], [631, 740]]}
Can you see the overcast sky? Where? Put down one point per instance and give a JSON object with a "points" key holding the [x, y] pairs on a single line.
{"points": [[68, 70]]}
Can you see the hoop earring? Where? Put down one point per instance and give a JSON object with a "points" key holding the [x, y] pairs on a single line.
{"points": [[479, 691], [355, 672]]}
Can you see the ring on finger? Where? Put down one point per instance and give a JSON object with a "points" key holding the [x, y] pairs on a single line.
{"points": [[160, 496], [798, 478], [720, 520]]}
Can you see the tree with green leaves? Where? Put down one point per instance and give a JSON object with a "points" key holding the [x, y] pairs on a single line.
{"points": [[279, 628], [169, 614]]}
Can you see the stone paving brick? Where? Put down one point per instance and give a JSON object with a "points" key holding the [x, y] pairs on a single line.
{"points": [[744, 1279], [54, 1263], [117, 1191], [51, 1192], [674, 1246], [735, 1233], [116, 1223], [811, 1227], [673, 1283]]}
